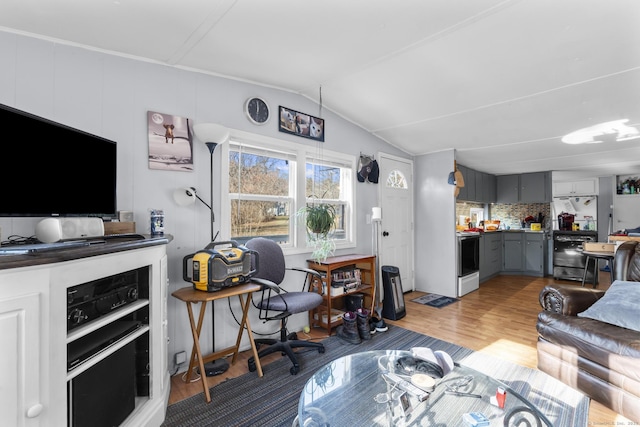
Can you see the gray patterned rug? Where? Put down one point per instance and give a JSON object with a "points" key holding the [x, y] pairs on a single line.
{"points": [[273, 400]]}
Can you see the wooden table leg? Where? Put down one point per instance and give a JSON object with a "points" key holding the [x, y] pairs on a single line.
{"points": [[196, 351], [243, 323]]}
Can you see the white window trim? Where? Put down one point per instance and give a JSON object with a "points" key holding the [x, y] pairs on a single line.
{"points": [[302, 150]]}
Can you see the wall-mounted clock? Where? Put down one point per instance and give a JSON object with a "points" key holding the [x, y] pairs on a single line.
{"points": [[257, 110]]}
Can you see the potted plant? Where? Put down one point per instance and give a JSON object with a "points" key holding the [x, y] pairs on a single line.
{"points": [[320, 219]]}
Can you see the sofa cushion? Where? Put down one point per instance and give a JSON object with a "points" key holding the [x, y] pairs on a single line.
{"points": [[619, 306]]}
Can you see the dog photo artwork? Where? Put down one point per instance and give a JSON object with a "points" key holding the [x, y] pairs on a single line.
{"points": [[170, 144]]}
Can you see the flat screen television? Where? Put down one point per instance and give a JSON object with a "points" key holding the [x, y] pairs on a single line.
{"points": [[49, 169]]}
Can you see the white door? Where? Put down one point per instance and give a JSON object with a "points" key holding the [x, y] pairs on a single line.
{"points": [[396, 229]]}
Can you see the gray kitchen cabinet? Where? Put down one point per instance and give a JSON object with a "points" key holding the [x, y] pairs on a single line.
{"points": [[535, 187], [479, 181], [508, 188], [468, 192], [534, 254], [490, 255], [478, 186], [512, 252], [489, 182], [462, 195], [524, 253], [532, 187]]}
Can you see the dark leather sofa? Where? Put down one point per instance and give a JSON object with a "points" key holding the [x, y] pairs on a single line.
{"points": [[599, 359]]}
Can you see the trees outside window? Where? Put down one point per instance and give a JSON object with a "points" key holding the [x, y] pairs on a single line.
{"points": [[266, 191]]}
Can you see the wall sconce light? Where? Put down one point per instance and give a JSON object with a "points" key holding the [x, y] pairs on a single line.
{"points": [[212, 134]]}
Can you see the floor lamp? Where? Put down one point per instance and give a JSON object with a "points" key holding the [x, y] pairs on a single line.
{"points": [[213, 134], [376, 219]]}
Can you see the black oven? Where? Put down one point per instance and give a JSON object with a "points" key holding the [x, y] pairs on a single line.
{"points": [[568, 259], [468, 254]]}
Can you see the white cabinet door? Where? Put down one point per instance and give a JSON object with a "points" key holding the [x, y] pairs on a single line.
{"points": [[20, 400], [587, 187]]}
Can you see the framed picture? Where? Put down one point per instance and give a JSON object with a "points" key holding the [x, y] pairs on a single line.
{"points": [[170, 144], [300, 124]]}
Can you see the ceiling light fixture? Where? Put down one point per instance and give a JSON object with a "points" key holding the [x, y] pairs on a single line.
{"points": [[604, 132]]}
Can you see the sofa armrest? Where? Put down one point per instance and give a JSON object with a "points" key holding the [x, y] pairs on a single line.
{"points": [[568, 299]]}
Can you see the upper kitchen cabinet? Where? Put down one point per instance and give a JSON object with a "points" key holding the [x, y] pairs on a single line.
{"points": [[508, 188], [468, 192], [478, 186], [535, 187], [524, 188], [584, 187], [489, 185]]}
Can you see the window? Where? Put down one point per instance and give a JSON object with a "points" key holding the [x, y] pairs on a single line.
{"points": [[269, 181], [396, 179]]}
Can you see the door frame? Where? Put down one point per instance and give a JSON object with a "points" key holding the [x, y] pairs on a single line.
{"points": [[381, 158]]}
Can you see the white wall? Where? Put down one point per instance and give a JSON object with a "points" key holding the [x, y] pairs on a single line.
{"points": [[109, 96], [435, 231]]}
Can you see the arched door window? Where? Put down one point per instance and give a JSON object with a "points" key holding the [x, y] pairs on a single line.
{"points": [[396, 180]]}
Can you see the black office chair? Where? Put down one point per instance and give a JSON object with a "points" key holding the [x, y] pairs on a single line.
{"points": [[275, 303]]}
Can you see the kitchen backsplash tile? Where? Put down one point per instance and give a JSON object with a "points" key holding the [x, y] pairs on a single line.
{"points": [[511, 214]]}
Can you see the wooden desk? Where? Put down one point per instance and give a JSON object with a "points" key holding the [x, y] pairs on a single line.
{"points": [[192, 296]]}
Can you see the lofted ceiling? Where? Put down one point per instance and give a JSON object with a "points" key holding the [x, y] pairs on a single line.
{"points": [[500, 81]]}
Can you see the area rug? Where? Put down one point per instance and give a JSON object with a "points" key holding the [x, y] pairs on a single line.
{"points": [[434, 300], [272, 400]]}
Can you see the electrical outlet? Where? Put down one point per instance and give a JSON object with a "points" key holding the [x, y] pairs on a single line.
{"points": [[180, 357]]}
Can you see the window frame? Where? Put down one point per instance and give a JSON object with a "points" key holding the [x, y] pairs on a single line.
{"points": [[302, 152]]}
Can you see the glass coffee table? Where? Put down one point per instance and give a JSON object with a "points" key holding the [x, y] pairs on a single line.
{"points": [[352, 391]]}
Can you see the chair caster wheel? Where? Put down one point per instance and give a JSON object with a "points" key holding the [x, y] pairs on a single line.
{"points": [[252, 365], [294, 370]]}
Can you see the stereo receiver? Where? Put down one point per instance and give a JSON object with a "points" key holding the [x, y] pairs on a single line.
{"points": [[89, 301]]}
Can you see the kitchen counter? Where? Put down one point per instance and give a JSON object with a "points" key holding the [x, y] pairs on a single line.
{"points": [[518, 230]]}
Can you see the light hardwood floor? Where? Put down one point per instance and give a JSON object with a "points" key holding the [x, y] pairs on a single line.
{"points": [[498, 319]]}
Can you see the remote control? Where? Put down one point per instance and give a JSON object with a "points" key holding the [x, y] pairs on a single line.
{"points": [[407, 386]]}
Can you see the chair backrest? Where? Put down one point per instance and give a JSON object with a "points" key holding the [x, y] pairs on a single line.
{"points": [[271, 265]]}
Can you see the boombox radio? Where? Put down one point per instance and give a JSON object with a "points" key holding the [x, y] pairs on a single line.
{"points": [[214, 269]]}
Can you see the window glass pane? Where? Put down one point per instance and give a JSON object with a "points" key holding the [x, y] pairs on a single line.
{"points": [[258, 174], [323, 181], [396, 179], [259, 190], [260, 218]]}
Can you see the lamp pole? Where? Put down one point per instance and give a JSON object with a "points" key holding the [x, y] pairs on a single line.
{"points": [[211, 146]]}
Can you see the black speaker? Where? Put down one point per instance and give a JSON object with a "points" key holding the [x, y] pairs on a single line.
{"points": [[393, 303], [104, 395]]}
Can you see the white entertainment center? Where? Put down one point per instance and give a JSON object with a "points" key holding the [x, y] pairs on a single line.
{"points": [[38, 329]]}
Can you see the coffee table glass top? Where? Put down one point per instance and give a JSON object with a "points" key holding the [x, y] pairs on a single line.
{"points": [[352, 391]]}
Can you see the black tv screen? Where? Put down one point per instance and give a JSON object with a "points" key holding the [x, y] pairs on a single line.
{"points": [[49, 169]]}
